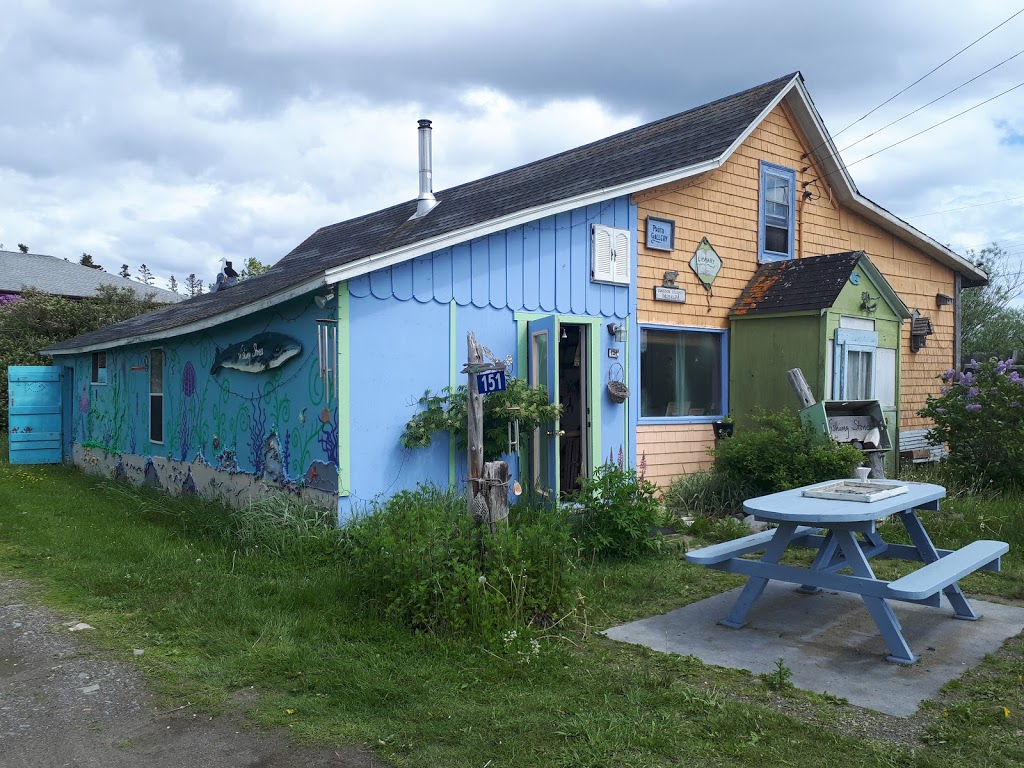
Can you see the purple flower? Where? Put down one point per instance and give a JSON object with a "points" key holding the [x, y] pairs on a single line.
{"points": [[188, 380], [973, 407], [948, 375], [944, 390], [83, 401], [1015, 378], [974, 392], [1001, 367], [940, 410]]}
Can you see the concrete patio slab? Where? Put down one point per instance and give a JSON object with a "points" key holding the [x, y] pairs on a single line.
{"points": [[831, 644]]}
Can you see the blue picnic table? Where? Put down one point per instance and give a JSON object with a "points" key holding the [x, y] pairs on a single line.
{"points": [[845, 535]]}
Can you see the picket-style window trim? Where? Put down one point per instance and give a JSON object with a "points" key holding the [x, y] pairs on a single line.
{"points": [[768, 214], [156, 395], [99, 368], [610, 255]]}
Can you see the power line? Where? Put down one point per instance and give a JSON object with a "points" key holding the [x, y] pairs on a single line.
{"points": [[930, 72], [968, 82], [964, 208], [936, 125]]}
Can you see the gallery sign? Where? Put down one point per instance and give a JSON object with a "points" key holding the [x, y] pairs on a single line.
{"points": [[661, 233]]}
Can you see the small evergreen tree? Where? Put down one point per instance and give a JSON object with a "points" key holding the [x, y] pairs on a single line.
{"points": [[22, 247], [125, 272], [172, 285], [146, 275], [193, 285], [86, 261]]}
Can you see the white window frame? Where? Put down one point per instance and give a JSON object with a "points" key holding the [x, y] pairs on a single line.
{"points": [[848, 340]]}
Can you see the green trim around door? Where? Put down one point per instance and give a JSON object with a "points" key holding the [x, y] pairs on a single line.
{"points": [[593, 374], [344, 386], [453, 373]]}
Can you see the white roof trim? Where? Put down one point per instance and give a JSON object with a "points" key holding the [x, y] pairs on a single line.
{"points": [[200, 325]]}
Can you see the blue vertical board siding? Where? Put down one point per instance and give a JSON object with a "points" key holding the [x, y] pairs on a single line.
{"points": [[514, 262], [278, 424], [563, 262], [423, 279], [443, 277], [532, 267], [548, 264], [401, 280], [593, 289], [480, 267], [496, 247], [578, 261], [398, 349], [462, 274], [625, 218], [380, 284], [359, 286]]}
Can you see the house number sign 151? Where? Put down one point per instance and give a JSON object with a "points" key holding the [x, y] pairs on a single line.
{"points": [[491, 381]]}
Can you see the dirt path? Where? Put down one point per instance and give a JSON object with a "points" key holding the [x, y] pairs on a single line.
{"points": [[64, 703]]}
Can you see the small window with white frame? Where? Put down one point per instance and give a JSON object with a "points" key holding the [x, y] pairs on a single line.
{"points": [[682, 373], [99, 368]]}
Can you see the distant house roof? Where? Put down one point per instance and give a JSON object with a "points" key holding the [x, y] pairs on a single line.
{"points": [[811, 283], [683, 145], [65, 278]]}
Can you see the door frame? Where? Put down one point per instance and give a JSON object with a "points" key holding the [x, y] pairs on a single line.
{"points": [[594, 376]]}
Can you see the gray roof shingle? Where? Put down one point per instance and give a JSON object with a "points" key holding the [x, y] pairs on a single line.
{"points": [[672, 143], [65, 278], [813, 282]]}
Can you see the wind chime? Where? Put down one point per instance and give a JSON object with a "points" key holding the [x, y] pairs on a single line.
{"points": [[327, 353]]}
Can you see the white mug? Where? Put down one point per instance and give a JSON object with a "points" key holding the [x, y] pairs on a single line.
{"points": [[862, 472]]}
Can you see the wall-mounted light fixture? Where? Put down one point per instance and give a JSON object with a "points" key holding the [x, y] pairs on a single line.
{"points": [[943, 299], [321, 301], [618, 331]]}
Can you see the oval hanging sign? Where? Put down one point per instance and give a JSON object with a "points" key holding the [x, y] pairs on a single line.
{"points": [[706, 263]]}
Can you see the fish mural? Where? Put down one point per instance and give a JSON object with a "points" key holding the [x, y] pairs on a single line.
{"points": [[257, 354]]}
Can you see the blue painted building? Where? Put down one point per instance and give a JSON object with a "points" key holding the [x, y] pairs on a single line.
{"points": [[304, 378]]}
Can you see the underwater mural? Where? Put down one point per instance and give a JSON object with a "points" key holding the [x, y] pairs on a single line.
{"points": [[233, 413]]}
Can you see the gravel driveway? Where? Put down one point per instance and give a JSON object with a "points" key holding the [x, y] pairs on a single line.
{"points": [[65, 703]]}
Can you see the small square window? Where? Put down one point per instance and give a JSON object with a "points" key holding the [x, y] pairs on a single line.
{"points": [[99, 368], [776, 213], [681, 373]]}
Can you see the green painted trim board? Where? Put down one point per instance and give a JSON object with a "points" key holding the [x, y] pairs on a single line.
{"points": [[344, 393]]}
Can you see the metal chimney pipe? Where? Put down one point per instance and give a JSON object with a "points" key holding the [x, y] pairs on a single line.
{"points": [[426, 199]]}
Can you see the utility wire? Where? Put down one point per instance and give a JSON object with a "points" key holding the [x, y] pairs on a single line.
{"points": [[968, 82], [964, 208], [936, 125], [930, 72]]}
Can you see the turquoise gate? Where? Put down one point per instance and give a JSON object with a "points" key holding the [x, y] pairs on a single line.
{"points": [[34, 400]]}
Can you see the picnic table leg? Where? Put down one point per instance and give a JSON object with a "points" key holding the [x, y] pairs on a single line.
{"points": [[879, 608], [826, 553], [919, 536], [755, 584]]}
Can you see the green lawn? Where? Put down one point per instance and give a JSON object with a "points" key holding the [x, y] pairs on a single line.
{"points": [[215, 618]]}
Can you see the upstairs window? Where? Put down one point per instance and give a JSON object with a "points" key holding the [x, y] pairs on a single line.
{"points": [[99, 368], [776, 213]]}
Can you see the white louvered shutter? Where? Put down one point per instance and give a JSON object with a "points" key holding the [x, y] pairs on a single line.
{"points": [[620, 257], [601, 255], [610, 255]]}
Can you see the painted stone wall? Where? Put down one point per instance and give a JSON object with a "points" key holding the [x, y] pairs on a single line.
{"points": [[223, 432], [723, 206]]}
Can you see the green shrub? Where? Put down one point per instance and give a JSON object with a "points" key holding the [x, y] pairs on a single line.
{"points": [[779, 454], [704, 494], [980, 416], [420, 559], [618, 513]]}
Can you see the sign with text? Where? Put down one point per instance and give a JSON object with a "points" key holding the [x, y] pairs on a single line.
{"points": [[706, 263], [660, 233], [491, 381]]}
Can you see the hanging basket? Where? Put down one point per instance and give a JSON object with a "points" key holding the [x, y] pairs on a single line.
{"points": [[617, 391]]}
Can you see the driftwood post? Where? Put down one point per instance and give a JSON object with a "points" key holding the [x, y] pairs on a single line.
{"points": [[496, 479], [475, 437], [876, 459]]}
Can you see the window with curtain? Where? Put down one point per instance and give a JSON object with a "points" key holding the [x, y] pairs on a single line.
{"points": [[681, 373]]}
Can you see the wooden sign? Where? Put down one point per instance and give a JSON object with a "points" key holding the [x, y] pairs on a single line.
{"points": [[661, 233], [677, 295]]}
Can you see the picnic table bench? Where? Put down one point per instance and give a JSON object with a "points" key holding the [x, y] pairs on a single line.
{"points": [[844, 535]]}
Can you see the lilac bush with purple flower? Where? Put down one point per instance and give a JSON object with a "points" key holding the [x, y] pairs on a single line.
{"points": [[979, 416]]}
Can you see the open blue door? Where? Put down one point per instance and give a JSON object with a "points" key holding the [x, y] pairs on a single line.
{"points": [[543, 360], [34, 400]]}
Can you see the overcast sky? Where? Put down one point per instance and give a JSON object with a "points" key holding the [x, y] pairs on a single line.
{"points": [[177, 133]]}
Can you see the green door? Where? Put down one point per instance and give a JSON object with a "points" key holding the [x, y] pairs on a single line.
{"points": [[543, 362]]}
